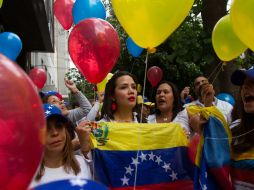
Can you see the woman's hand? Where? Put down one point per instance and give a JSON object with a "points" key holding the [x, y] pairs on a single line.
{"points": [[196, 122], [71, 85], [83, 130]]}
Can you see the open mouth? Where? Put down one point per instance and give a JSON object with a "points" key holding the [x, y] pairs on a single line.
{"points": [[248, 98], [161, 102]]}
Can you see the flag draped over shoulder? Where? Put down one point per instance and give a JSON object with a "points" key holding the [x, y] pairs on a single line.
{"points": [[212, 164], [147, 156], [242, 170]]}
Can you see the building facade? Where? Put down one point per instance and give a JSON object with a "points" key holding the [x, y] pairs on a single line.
{"points": [[44, 41]]}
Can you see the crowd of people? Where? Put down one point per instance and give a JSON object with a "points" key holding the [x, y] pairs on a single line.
{"points": [[68, 148]]}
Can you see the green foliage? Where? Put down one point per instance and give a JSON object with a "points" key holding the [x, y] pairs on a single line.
{"points": [[82, 84], [181, 57], [186, 54]]}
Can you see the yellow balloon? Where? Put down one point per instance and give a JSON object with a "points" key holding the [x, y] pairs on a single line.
{"points": [[1, 2], [102, 85], [225, 42], [242, 18], [150, 22]]}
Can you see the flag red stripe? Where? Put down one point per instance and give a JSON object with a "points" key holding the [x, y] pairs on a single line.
{"points": [[181, 184], [243, 175], [221, 175]]}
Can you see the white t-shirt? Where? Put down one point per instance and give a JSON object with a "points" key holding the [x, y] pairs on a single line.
{"points": [[55, 174], [225, 108], [151, 118]]}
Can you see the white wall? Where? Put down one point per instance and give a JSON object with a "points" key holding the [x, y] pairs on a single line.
{"points": [[56, 64]]}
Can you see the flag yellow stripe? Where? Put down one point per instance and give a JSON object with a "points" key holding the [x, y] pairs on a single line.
{"points": [[247, 155], [135, 136]]}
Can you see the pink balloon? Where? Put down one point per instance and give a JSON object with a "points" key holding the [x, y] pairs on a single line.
{"points": [[22, 126], [38, 76], [94, 48], [154, 75], [63, 12]]}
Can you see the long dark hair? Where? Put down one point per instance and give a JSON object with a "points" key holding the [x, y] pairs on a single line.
{"points": [[244, 140], [177, 105], [69, 161], [106, 111]]}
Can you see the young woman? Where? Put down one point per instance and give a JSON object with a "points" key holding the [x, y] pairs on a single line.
{"points": [[59, 161], [120, 99], [76, 114], [243, 141], [168, 103]]}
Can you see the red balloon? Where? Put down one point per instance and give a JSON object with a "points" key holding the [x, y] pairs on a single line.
{"points": [[63, 12], [193, 146], [94, 48], [154, 75], [38, 76], [22, 124]]}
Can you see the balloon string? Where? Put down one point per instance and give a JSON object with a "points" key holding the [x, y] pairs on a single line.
{"points": [[217, 74], [141, 119], [215, 69], [226, 138], [133, 65]]}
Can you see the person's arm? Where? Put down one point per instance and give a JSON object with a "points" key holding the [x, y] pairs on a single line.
{"points": [[183, 118], [85, 106], [93, 112], [184, 94]]}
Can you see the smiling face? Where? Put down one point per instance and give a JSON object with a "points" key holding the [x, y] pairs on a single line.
{"points": [[247, 94], [125, 93], [164, 97]]}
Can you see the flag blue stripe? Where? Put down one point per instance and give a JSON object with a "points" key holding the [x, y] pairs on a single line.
{"points": [[117, 168], [243, 164], [216, 144]]}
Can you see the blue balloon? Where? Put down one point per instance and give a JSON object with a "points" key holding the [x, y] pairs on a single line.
{"points": [[133, 48], [227, 98], [10, 45], [72, 184], [83, 9]]}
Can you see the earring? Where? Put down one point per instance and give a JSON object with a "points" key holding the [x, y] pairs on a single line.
{"points": [[113, 105]]}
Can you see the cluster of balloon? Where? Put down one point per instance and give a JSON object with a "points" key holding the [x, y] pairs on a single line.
{"points": [[242, 18], [94, 47], [10, 45], [150, 22], [38, 76], [102, 85], [83, 9], [22, 127], [133, 48], [154, 75], [63, 12], [225, 42], [226, 97], [72, 184]]}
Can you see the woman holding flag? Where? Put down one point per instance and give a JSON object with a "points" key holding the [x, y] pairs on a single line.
{"points": [[120, 100], [243, 143]]}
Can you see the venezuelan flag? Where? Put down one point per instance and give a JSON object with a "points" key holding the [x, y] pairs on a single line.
{"points": [[212, 164], [147, 156], [242, 170]]}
